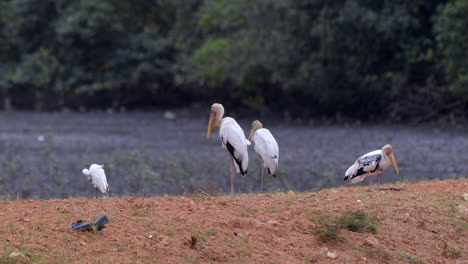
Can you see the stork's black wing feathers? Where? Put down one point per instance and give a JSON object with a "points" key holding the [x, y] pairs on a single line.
{"points": [[231, 151], [368, 164]]}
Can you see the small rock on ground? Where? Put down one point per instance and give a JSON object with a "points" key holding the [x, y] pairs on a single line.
{"points": [[16, 254], [465, 196], [372, 242], [463, 210], [332, 255]]}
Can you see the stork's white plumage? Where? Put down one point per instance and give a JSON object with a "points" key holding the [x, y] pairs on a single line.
{"points": [[233, 138], [98, 177], [266, 147], [371, 163]]}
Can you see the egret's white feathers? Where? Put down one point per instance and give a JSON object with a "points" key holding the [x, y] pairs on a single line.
{"points": [[86, 172], [267, 147], [98, 177]]}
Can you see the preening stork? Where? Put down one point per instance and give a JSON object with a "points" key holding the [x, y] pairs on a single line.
{"points": [[371, 163], [266, 147], [233, 138], [97, 175]]}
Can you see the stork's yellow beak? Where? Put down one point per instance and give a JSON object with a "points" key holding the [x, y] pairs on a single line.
{"points": [[210, 125], [392, 157]]}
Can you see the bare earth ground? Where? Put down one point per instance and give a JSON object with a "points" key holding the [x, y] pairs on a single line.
{"points": [[426, 223]]}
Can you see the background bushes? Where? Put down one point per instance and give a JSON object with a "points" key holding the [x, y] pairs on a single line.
{"points": [[363, 59]]}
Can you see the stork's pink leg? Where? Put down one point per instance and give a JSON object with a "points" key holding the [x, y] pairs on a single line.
{"points": [[370, 184], [232, 176], [378, 181], [261, 179]]}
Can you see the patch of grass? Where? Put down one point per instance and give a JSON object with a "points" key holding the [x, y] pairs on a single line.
{"points": [[288, 202], [5, 259], [373, 228], [375, 252], [356, 221], [273, 210], [328, 233], [353, 221], [223, 203], [11, 226], [39, 228], [66, 240], [172, 224], [455, 252], [385, 255], [190, 260], [278, 191], [95, 230], [201, 237], [247, 212], [36, 257], [327, 226], [27, 255], [44, 204], [416, 260], [201, 195], [453, 209], [6, 197], [404, 181], [210, 233]]}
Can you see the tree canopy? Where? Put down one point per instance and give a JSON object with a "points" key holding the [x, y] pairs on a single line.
{"points": [[358, 57]]}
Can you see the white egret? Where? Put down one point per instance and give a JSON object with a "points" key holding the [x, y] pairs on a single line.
{"points": [[233, 138], [97, 175], [371, 163], [267, 149]]}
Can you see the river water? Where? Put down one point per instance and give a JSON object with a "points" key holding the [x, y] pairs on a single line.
{"points": [[42, 154]]}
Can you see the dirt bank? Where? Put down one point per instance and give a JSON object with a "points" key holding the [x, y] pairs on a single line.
{"points": [[426, 223]]}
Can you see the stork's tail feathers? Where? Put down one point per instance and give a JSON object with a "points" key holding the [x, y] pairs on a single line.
{"points": [[350, 172]]}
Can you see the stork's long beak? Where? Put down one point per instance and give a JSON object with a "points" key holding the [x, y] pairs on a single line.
{"points": [[392, 158], [210, 125]]}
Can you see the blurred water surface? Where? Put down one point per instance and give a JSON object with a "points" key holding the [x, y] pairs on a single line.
{"points": [[144, 153]]}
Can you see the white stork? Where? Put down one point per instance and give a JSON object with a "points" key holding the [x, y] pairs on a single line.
{"points": [[371, 163], [267, 149], [97, 175], [233, 138]]}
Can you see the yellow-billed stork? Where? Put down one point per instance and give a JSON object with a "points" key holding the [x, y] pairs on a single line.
{"points": [[233, 138], [267, 149], [371, 163]]}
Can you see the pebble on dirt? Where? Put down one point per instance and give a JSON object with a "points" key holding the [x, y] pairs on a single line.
{"points": [[239, 234], [465, 196], [372, 242], [332, 254], [16, 254]]}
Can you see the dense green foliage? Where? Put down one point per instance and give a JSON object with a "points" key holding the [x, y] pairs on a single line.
{"points": [[307, 56]]}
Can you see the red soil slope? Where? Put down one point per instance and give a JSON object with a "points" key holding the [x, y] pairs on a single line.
{"points": [[426, 223]]}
